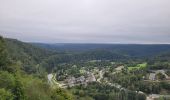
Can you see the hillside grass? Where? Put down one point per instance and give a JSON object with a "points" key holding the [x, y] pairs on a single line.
{"points": [[138, 67]]}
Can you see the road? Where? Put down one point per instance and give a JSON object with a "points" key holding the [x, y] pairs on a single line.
{"points": [[100, 76], [53, 82], [50, 76]]}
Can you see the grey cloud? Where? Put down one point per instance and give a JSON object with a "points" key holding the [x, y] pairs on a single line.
{"points": [[89, 21]]}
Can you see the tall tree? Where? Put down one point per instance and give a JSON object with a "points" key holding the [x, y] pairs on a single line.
{"points": [[19, 89], [3, 54]]}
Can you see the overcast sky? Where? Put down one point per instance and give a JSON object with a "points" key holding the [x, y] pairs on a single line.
{"points": [[86, 21]]}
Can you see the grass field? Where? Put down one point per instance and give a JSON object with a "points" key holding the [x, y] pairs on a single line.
{"points": [[137, 67]]}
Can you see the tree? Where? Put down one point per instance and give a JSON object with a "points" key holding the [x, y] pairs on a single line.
{"points": [[19, 90], [7, 80], [160, 76], [60, 94], [5, 63], [141, 96], [6, 95], [3, 54]]}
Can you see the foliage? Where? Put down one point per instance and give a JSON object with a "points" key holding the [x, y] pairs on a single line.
{"points": [[160, 76], [3, 54], [28, 55], [6, 95], [24, 67], [105, 92], [138, 67], [15, 81], [60, 94]]}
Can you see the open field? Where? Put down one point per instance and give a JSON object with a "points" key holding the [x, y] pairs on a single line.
{"points": [[138, 66]]}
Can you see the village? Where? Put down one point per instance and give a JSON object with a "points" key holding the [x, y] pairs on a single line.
{"points": [[72, 81], [97, 75]]}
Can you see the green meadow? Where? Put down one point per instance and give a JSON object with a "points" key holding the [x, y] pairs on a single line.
{"points": [[138, 66]]}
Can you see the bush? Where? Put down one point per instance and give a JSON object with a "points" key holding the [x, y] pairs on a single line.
{"points": [[6, 95]]}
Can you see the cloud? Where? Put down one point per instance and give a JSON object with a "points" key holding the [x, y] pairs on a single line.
{"points": [[89, 21]]}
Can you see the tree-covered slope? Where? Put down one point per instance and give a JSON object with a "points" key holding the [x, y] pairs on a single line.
{"points": [[15, 83], [48, 56], [133, 50], [28, 55], [21, 65]]}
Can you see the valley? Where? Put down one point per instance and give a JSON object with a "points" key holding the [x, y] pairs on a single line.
{"points": [[94, 72], [96, 75]]}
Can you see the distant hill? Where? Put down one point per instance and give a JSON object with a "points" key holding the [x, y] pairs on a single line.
{"points": [[132, 50], [48, 56]]}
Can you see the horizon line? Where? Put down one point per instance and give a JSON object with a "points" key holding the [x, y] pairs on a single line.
{"points": [[106, 43]]}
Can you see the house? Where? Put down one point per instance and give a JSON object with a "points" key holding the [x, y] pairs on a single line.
{"points": [[71, 81], [80, 80], [152, 76], [90, 78], [119, 68]]}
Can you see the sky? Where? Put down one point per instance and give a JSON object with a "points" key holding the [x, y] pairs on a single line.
{"points": [[86, 21]]}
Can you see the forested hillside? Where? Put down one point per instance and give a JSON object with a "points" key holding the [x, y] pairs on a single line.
{"points": [[33, 56], [110, 72], [132, 50], [16, 83], [26, 54]]}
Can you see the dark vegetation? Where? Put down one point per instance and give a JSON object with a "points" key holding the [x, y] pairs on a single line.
{"points": [[17, 82], [24, 67]]}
